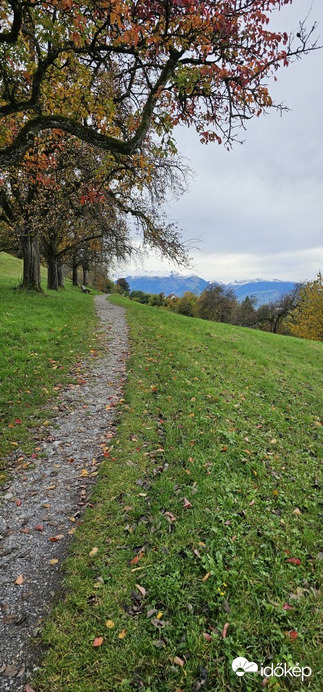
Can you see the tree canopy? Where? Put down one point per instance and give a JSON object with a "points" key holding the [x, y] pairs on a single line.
{"points": [[110, 71]]}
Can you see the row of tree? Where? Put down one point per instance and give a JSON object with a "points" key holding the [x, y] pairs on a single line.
{"points": [[90, 94], [299, 313]]}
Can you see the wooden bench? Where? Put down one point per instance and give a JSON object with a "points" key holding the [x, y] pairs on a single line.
{"points": [[85, 289]]}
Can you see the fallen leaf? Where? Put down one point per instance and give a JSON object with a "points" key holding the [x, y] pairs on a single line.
{"points": [[29, 689], [93, 552], [207, 575], [252, 502], [297, 511], [53, 562], [109, 624], [151, 612], [293, 560], [170, 516], [98, 642], [292, 634], [122, 634], [142, 590], [10, 671], [136, 559], [225, 629], [207, 637], [53, 539], [160, 615], [178, 661], [39, 527], [286, 606], [18, 502], [20, 580], [187, 504]]}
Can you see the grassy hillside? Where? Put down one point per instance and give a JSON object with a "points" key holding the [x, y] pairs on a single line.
{"points": [[40, 337], [204, 520]]}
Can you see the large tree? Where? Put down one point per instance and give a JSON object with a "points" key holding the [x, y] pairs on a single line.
{"points": [[68, 200], [111, 71], [307, 318]]}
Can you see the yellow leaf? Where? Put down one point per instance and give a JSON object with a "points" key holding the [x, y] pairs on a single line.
{"points": [[122, 634], [109, 624], [160, 615], [53, 562], [93, 551]]}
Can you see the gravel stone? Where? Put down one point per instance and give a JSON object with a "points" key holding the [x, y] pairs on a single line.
{"points": [[73, 440]]}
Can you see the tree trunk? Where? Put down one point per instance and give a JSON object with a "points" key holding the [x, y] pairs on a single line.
{"points": [[85, 274], [31, 262], [74, 270], [60, 276], [52, 276]]}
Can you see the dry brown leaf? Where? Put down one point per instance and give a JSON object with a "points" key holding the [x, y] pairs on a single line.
{"points": [[141, 589], [53, 539], [206, 577]]}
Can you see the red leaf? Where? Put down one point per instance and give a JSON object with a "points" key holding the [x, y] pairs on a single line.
{"points": [[187, 503], [293, 560], [39, 527], [98, 642], [286, 606], [18, 502], [292, 634], [17, 421]]}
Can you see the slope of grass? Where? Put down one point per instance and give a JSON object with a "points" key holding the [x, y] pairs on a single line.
{"points": [[201, 543], [40, 338]]}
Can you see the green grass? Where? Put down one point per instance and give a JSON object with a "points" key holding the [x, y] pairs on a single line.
{"points": [[227, 418], [41, 336]]}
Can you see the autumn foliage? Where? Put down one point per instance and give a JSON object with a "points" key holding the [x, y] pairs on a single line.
{"points": [[308, 315], [111, 71]]}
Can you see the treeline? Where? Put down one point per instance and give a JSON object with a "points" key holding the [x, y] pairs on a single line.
{"points": [[298, 313]]}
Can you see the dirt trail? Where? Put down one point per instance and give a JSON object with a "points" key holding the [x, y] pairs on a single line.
{"points": [[45, 500]]}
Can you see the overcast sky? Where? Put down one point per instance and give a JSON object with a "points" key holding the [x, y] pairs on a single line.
{"points": [[257, 210]]}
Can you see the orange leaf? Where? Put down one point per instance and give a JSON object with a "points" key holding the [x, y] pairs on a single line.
{"points": [[20, 580], [122, 634], [53, 539], [136, 559]]}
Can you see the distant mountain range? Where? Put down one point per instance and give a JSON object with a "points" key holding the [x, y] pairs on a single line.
{"points": [[264, 291]]}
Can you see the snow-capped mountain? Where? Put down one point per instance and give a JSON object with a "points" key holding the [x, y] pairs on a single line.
{"points": [[264, 290]]}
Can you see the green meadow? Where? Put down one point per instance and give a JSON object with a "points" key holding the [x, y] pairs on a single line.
{"points": [[202, 541], [40, 339]]}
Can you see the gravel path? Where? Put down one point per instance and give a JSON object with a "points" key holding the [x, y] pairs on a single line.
{"points": [[42, 504]]}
